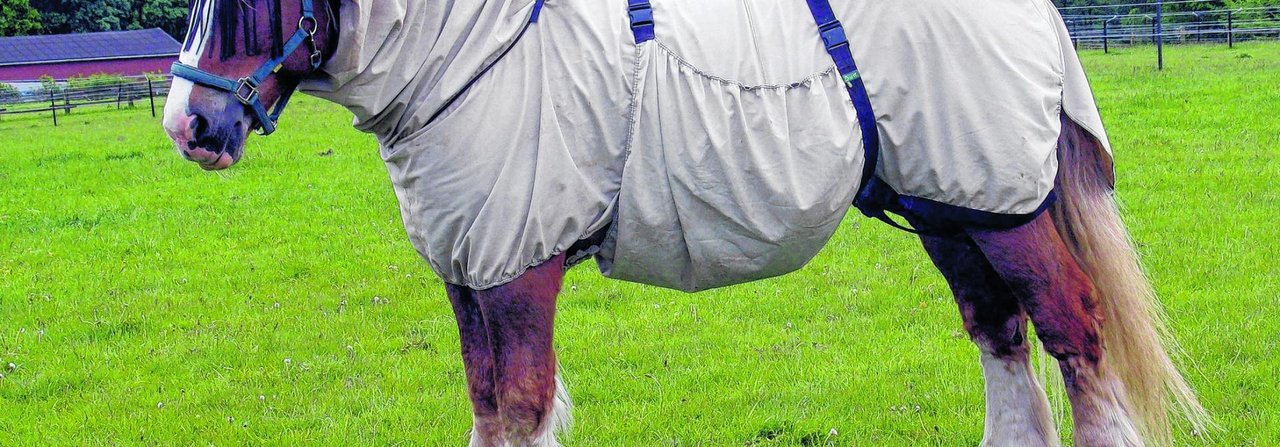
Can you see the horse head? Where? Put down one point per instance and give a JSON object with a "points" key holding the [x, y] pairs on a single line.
{"points": [[240, 62]]}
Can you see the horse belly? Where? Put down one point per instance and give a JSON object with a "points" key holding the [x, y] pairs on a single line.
{"points": [[744, 153]]}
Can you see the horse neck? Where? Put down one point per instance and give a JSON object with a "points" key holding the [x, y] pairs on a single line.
{"points": [[398, 59]]}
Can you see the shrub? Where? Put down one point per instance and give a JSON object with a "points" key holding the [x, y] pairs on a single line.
{"points": [[48, 84], [8, 93], [157, 76], [95, 80]]}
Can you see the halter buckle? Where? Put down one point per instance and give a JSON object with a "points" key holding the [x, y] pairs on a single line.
{"points": [[246, 91]]}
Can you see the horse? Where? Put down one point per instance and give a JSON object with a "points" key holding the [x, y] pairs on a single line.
{"points": [[486, 106]]}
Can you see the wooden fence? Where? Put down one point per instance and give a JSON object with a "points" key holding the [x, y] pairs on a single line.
{"points": [[65, 98]]}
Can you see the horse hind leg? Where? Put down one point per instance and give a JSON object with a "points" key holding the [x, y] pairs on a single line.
{"points": [[1017, 411], [532, 405], [1037, 266]]}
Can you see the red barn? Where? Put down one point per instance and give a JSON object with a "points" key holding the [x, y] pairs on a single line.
{"points": [[66, 55]]}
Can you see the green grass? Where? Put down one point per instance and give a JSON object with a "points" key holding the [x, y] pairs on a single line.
{"points": [[145, 302]]}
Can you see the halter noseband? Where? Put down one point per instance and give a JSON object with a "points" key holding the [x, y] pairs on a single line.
{"points": [[246, 89]]}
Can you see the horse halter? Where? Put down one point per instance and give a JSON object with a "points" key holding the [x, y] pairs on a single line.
{"points": [[246, 89]]}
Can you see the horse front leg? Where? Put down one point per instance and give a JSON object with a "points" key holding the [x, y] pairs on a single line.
{"points": [[1017, 410], [1037, 265], [478, 362], [506, 333]]}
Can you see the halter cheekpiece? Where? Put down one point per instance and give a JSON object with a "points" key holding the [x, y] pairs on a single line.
{"points": [[246, 89]]}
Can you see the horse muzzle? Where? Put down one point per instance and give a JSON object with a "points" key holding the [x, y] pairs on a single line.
{"points": [[214, 140]]}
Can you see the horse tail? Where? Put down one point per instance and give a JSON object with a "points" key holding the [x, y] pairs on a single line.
{"points": [[1136, 339]]}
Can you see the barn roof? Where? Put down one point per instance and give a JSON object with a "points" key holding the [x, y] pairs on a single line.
{"points": [[29, 50]]}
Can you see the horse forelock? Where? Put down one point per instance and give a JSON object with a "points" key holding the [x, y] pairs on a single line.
{"points": [[277, 30], [231, 21], [199, 31]]}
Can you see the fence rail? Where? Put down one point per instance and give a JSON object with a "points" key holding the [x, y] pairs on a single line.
{"points": [[64, 97], [1229, 26], [1107, 26]]}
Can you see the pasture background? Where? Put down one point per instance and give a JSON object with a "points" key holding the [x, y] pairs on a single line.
{"points": [[145, 302]]}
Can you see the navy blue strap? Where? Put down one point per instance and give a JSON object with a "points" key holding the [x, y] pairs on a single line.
{"points": [[202, 77], [537, 11], [837, 45], [641, 14], [244, 90]]}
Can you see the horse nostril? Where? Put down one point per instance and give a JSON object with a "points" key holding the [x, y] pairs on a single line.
{"points": [[199, 126]]}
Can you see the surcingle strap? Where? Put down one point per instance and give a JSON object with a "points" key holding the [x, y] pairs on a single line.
{"points": [[837, 44], [641, 14], [537, 10]]}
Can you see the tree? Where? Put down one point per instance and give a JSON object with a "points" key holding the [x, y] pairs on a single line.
{"points": [[83, 16], [18, 18], [168, 15]]}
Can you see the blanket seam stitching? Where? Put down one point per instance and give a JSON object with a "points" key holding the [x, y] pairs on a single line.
{"points": [[697, 71]]}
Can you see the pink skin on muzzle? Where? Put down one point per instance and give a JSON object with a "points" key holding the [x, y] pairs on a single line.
{"points": [[182, 131], [182, 128]]}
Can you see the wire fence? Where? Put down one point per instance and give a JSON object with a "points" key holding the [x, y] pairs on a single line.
{"points": [[63, 97], [1225, 26], [1157, 24]]}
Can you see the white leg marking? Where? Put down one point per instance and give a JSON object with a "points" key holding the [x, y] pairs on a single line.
{"points": [[558, 420], [1017, 408], [1099, 408]]}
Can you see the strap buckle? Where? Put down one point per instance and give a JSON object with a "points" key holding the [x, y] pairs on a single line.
{"points": [[246, 91], [833, 35], [641, 14]]}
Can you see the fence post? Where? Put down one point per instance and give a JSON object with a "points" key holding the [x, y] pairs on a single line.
{"points": [[1160, 34], [66, 101], [1231, 34], [151, 94], [53, 107], [1106, 45], [1199, 31]]}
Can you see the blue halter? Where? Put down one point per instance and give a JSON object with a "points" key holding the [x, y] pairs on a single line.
{"points": [[246, 89]]}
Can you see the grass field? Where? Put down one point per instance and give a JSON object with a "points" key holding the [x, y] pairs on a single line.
{"points": [[145, 302]]}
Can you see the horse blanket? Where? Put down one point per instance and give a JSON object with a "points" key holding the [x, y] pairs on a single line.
{"points": [[724, 150]]}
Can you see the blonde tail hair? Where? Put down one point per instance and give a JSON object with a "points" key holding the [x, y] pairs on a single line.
{"points": [[1134, 334]]}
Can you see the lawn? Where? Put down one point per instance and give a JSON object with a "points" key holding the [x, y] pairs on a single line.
{"points": [[146, 302]]}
